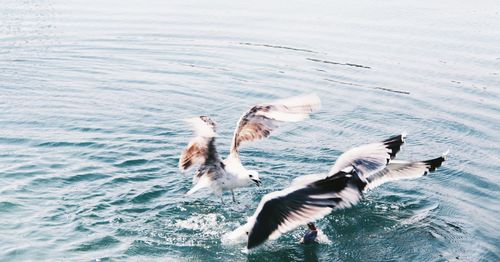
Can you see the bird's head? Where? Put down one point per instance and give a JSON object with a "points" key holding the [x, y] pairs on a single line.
{"points": [[254, 177]]}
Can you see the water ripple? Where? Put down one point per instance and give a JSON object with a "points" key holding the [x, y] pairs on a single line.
{"points": [[92, 99]]}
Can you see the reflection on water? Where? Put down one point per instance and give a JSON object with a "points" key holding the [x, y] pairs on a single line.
{"points": [[92, 96]]}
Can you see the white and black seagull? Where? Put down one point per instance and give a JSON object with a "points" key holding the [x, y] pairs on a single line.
{"points": [[312, 197], [222, 175]]}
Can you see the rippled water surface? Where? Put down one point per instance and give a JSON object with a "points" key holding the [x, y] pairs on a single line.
{"points": [[92, 96]]}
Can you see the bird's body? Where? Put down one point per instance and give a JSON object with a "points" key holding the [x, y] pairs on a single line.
{"points": [[312, 197], [227, 174]]}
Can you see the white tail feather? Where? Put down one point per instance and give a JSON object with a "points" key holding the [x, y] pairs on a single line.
{"points": [[202, 183]]}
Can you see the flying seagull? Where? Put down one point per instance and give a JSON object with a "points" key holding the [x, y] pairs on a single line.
{"points": [[257, 123], [312, 197]]}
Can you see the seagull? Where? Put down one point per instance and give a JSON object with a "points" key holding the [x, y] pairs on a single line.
{"points": [[257, 123], [312, 197]]}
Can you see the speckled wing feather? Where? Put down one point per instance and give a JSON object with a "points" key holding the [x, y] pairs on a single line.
{"points": [[261, 120], [201, 149]]}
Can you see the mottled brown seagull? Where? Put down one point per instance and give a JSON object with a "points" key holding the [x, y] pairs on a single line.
{"points": [[257, 123]]}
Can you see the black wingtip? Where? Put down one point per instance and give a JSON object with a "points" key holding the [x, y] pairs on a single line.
{"points": [[435, 163], [394, 143], [262, 229], [253, 244]]}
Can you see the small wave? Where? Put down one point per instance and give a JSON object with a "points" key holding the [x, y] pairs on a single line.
{"points": [[130, 179], [148, 196], [14, 140], [70, 144], [6, 206], [420, 215], [132, 162], [96, 244], [337, 63], [148, 248], [392, 90], [85, 177], [134, 210], [279, 47], [374, 87]]}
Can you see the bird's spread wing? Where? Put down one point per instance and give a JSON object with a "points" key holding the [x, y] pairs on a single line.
{"points": [[366, 159], [285, 210], [404, 170], [371, 158], [201, 149], [262, 119], [307, 179]]}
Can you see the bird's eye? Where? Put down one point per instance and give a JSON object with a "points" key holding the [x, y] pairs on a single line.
{"points": [[251, 175]]}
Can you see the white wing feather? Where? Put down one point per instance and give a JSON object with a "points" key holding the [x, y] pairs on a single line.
{"points": [[261, 120]]}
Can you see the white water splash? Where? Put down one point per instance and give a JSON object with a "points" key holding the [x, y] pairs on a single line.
{"points": [[209, 224], [322, 238]]}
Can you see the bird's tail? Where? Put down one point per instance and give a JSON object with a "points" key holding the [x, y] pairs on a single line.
{"points": [[202, 183], [397, 170]]}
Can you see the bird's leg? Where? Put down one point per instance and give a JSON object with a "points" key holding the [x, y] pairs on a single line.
{"points": [[234, 199], [222, 199]]}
